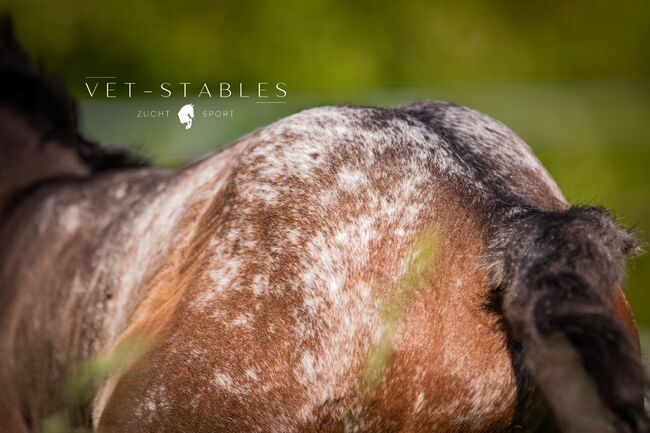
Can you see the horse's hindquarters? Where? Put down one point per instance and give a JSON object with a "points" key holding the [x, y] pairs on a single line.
{"points": [[449, 370]]}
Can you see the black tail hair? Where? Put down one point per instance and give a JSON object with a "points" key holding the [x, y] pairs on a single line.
{"points": [[46, 105], [554, 275]]}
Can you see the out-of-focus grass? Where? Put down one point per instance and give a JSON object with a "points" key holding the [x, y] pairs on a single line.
{"points": [[420, 258], [328, 44], [83, 381], [644, 334]]}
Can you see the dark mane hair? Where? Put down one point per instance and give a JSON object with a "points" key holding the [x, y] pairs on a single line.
{"points": [[45, 104]]}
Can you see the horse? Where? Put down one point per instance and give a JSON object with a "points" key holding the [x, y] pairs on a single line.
{"points": [[344, 269], [186, 114]]}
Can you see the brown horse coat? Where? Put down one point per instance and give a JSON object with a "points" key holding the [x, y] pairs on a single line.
{"points": [[263, 278]]}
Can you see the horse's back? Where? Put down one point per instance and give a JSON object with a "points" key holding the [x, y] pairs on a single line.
{"points": [[287, 310]]}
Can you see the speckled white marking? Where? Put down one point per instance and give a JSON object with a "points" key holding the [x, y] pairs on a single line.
{"points": [[419, 402], [224, 381], [350, 179]]}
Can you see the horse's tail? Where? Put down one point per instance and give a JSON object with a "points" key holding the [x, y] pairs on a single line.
{"points": [[557, 276]]}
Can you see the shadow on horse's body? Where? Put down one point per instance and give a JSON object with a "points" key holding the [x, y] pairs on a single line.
{"points": [[260, 277]]}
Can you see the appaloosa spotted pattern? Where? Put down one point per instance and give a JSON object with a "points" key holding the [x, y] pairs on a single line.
{"points": [[271, 284], [312, 226]]}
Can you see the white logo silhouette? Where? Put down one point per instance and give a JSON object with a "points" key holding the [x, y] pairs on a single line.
{"points": [[186, 114]]}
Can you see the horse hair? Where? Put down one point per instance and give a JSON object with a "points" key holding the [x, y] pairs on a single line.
{"points": [[26, 89], [554, 275], [553, 272]]}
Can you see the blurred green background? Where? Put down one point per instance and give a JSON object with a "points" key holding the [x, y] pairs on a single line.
{"points": [[570, 77]]}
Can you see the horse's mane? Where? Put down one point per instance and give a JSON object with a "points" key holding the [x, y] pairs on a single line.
{"points": [[44, 103]]}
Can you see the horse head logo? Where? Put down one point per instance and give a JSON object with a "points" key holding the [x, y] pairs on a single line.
{"points": [[186, 114]]}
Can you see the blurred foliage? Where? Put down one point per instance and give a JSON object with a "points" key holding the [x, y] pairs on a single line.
{"points": [[324, 44], [421, 260], [83, 381]]}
